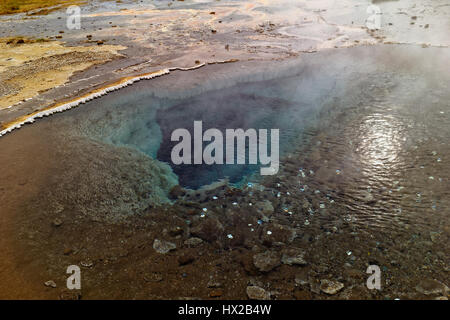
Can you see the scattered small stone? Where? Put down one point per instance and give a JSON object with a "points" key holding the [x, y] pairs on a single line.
{"points": [[87, 263], [330, 287], [257, 293], [163, 247], [50, 283], [176, 231], [57, 222], [214, 284], [153, 277], [193, 242], [216, 293], [431, 286], [435, 236], [367, 197]]}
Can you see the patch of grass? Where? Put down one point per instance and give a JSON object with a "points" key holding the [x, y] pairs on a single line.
{"points": [[16, 6]]}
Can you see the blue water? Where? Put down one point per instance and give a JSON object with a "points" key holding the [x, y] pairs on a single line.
{"points": [[329, 92]]}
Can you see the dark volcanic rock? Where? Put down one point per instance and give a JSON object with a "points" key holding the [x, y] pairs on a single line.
{"points": [[209, 230]]}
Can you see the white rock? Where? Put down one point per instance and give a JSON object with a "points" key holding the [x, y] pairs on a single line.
{"points": [[50, 283], [163, 247], [257, 293], [330, 287]]}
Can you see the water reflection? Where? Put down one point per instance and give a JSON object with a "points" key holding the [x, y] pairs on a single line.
{"points": [[379, 143]]}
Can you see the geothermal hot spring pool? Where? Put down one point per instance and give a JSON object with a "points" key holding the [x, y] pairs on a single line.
{"points": [[364, 149]]}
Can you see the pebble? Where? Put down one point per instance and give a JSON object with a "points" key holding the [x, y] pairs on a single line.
{"points": [[163, 247], [87, 263], [212, 283], [257, 293], [434, 236], [216, 293], [431, 286], [50, 283], [367, 196], [330, 287], [153, 277], [294, 256], [176, 231], [193, 242], [57, 222]]}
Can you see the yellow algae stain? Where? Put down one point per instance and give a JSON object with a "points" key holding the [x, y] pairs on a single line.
{"points": [[84, 98], [17, 6], [30, 68], [68, 104]]}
